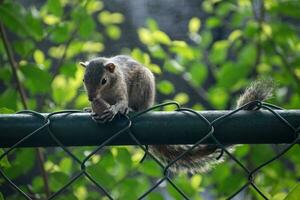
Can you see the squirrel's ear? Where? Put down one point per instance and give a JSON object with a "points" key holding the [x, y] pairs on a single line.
{"points": [[110, 67], [84, 64]]}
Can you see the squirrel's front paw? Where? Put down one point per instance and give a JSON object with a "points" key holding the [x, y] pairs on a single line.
{"points": [[108, 114], [103, 118], [124, 110], [97, 118]]}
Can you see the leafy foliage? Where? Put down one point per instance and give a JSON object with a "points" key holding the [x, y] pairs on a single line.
{"points": [[236, 42]]}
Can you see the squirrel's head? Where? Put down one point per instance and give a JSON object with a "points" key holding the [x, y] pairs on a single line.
{"points": [[99, 74]]}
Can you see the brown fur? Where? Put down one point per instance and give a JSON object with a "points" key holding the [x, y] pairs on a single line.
{"points": [[132, 85], [129, 86]]}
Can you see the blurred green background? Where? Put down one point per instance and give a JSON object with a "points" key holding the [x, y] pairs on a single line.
{"points": [[203, 54]]}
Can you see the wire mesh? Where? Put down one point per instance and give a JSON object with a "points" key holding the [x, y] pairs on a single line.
{"points": [[249, 174]]}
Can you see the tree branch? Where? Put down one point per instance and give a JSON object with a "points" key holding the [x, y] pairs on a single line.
{"points": [[14, 67], [259, 17]]}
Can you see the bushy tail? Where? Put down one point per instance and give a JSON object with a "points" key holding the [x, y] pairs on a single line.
{"points": [[259, 90], [204, 157], [200, 159]]}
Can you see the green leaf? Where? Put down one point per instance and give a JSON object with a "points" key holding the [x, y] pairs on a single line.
{"points": [[56, 51], [81, 192], [60, 33], [184, 184], [152, 24], [173, 66], [288, 8], [259, 153], [143, 58], [157, 52], [37, 184], [181, 98], [234, 35], [145, 36], [36, 79], [150, 168], [1, 196], [101, 175], [11, 17], [218, 97], [5, 75], [206, 38], [107, 18], [229, 74], [94, 6], [78, 14], [137, 54], [51, 19], [75, 48], [4, 110], [213, 22], [242, 150], [165, 87], [155, 196], [34, 23], [39, 56], [81, 101], [23, 162], [92, 47], [207, 6], [196, 181], [198, 73], [57, 180], [9, 98], [219, 52], [65, 165], [124, 158], [194, 25], [294, 194], [87, 27], [247, 56], [198, 107], [161, 37], [221, 173], [114, 32], [126, 191], [225, 8], [279, 196], [251, 29], [62, 90], [4, 161], [23, 47], [154, 68], [182, 49], [55, 7], [68, 69]]}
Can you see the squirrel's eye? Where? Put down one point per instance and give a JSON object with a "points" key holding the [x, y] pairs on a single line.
{"points": [[103, 81]]}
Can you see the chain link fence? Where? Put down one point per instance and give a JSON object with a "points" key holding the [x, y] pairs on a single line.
{"points": [[127, 129]]}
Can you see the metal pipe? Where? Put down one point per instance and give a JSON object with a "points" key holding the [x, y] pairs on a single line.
{"points": [[178, 127]]}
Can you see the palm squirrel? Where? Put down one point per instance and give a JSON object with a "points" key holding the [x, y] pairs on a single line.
{"points": [[120, 84]]}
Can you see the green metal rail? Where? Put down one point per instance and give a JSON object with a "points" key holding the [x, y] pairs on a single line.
{"points": [[178, 127]]}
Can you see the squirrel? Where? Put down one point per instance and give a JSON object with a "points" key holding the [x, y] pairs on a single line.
{"points": [[117, 84], [120, 84]]}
